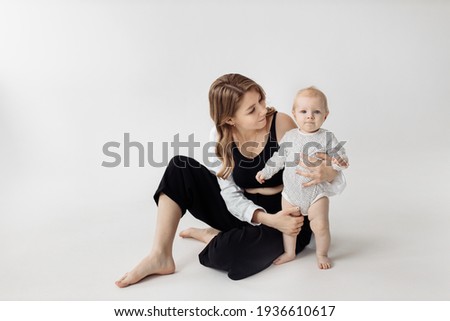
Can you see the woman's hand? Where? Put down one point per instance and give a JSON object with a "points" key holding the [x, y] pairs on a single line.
{"points": [[320, 169], [288, 221]]}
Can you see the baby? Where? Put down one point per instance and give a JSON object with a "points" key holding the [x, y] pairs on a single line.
{"points": [[310, 111]]}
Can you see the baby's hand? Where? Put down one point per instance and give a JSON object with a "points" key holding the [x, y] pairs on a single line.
{"points": [[342, 163], [260, 177]]}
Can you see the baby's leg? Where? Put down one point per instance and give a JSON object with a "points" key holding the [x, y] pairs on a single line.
{"points": [[318, 217], [288, 241]]}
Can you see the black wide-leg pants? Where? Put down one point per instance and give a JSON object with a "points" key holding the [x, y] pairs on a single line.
{"points": [[240, 248]]}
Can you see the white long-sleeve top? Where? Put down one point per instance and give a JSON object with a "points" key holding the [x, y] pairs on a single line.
{"points": [[233, 195]]}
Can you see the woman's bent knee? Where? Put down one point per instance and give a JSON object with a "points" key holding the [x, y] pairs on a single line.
{"points": [[182, 162]]}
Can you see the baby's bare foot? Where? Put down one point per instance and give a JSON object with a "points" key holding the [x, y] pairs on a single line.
{"points": [[152, 264], [204, 235], [283, 258], [323, 262]]}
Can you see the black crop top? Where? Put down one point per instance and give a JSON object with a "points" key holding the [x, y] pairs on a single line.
{"points": [[245, 169]]}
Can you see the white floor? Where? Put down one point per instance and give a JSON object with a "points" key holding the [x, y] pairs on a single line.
{"points": [[390, 242]]}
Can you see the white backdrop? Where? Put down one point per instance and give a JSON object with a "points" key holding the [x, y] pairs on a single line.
{"points": [[75, 75]]}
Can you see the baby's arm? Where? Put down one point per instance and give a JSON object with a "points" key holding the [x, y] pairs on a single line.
{"points": [[338, 154], [273, 165]]}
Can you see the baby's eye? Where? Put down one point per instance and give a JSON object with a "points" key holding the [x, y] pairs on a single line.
{"points": [[302, 111], [317, 112]]}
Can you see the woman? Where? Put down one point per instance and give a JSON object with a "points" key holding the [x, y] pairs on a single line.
{"points": [[245, 217]]}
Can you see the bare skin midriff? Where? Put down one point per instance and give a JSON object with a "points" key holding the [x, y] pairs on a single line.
{"points": [[265, 190]]}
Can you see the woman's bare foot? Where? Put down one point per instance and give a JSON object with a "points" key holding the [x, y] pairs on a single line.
{"points": [[283, 258], [152, 264], [323, 262], [204, 235]]}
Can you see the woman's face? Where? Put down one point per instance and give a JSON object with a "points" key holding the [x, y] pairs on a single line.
{"points": [[251, 112]]}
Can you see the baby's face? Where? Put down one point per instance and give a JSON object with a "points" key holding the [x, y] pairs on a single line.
{"points": [[309, 113]]}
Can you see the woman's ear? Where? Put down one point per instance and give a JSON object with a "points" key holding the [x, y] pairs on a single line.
{"points": [[230, 122]]}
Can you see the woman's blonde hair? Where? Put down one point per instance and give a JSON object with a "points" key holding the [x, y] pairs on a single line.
{"points": [[225, 94]]}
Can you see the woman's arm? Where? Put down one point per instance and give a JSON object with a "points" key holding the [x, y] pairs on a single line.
{"points": [[287, 221], [238, 205]]}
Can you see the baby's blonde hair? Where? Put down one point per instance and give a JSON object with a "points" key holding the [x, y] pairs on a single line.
{"points": [[312, 92]]}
